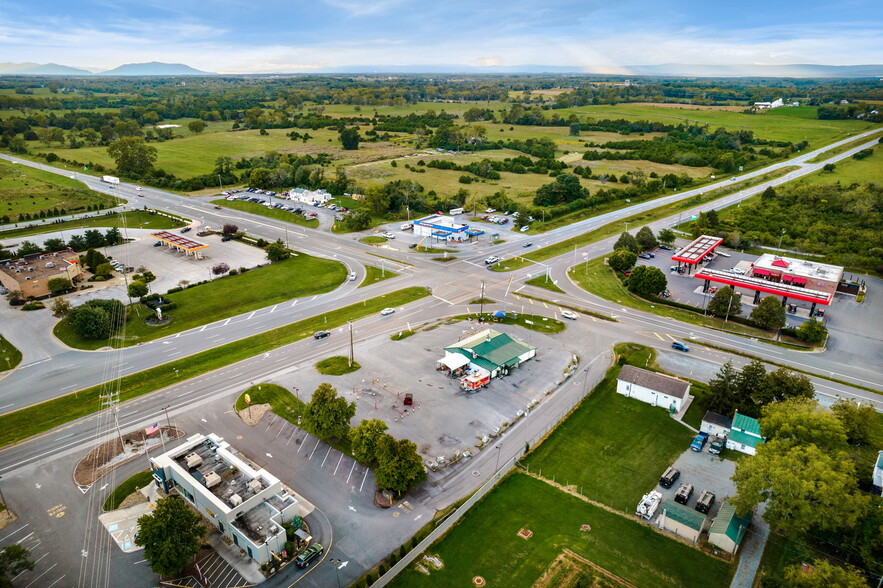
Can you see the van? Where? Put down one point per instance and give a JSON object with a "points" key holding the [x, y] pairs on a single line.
{"points": [[668, 479], [406, 226], [706, 500], [455, 211]]}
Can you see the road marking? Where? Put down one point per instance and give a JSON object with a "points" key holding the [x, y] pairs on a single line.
{"points": [[443, 300], [24, 526], [293, 303], [314, 449], [326, 457], [56, 582], [139, 562], [13, 404], [363, 480], [41, 575], [347, 478], [226, 322], [338, 465], [658, 336], [251, 315], [290, 437]]}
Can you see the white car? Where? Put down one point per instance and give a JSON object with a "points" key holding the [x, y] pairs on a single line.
{"points": [[491, 259], [569, 314], [525, 228], [139, 188], [352, 276], [739, 271], [406, 226], [490, 210], [387, 311], [388, 235]]}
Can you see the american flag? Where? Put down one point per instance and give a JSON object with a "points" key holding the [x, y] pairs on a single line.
{"points": [[152, 428]]}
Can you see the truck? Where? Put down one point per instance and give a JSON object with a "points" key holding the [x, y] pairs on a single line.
{"points": [[110, 180], [649, 503], [699, 441], [717, 444]]}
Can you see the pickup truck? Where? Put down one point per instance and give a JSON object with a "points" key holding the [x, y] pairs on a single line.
{"points": [[717, 445], [699, 441]]}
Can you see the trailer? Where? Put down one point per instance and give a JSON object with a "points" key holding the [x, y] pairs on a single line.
{"points": [[648, 505], [110, 180]]}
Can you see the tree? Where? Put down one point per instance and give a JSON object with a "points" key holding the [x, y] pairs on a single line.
{"points": [[53, 245], [646, 280], [666, 236], [750, 379], [170, 535], [327, 414], [94, 238], [804, 487], [97, 319], [823, 574], [829, 167], [565, 188], [365, 438], [783, 384], [14, 559], [646, 239], [77, 243], [221, 268], [196, 126], [399, 466], [812, 331], [229, 229], [61, 307], [859, 421], [801, 421], [28, 248], [622, 260], [93, 259], [260, 177], [59, 285], [137, 289], [768, 194], [725, 303], [277, 252], [132, 155], [769, 314], [113, 236], [723, 397], [104, 269], [349, 138], [628, 242], [575, 129]]}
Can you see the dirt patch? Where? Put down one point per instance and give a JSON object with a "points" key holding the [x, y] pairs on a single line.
{"points": [[6, 517], [253, 414], [570, 568], [132, 499], [110, 455]]}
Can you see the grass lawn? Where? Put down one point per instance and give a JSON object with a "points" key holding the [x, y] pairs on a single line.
{"points": [[541, 282], [10, 356], [485, 543], [139, 480], [298, 276], [401, 335], [45, 416], [376, 274], [337, 366], [612, 448], [255, 208], [27, 190], [134, 219], [850, 171], [373, 240], [541, 324], [281, 401]]}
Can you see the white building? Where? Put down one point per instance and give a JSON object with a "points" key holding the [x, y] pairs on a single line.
{"points": [[248, 506], [309, 196], [443, 228], [652, 388], [877, 476], [716, 424]]}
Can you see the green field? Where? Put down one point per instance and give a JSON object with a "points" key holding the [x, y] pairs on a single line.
{"points": [[301, 275], [486, 543], [336, 366], [10, 356], [134, 219], [39, 418], [27, 190], [850, 171], [376, 274], [612, 448], [260, 209]]}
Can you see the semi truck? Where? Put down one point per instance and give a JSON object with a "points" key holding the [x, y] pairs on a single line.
{"points": [[110, 180]]}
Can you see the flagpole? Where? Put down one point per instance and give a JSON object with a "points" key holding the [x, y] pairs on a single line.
{"points": [[146, 449]]}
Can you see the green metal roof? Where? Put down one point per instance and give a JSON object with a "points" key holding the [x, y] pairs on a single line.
{"points": [[743, 439], [683, 515], [746, 424], [497, 349], [729, 523]]}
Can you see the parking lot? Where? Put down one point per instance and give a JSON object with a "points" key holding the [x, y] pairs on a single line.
{"points": [[704, 471]]}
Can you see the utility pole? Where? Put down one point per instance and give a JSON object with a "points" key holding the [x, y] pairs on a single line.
{"points": [[481, 300], [780, 240], [352, 349]]}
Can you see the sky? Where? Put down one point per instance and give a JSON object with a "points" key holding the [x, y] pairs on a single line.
{"points": [[260, 36]]}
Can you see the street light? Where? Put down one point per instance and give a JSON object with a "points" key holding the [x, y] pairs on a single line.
{"points": [[497, 466], [3, 500], [336, 563]]}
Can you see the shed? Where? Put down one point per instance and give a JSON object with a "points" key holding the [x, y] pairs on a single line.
{"points": [[728, 528], [682, 521], [652, 388], [716, 424]]}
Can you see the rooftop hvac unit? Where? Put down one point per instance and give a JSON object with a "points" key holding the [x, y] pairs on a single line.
{"points": [[212, 479], [30, 269], [50, 264], [254, 485], [235, 500], [192, 460]]}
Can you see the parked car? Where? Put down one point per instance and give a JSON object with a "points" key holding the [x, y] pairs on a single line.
{"points": [[321, 334], [683, 494], [569, 314], [679, 346], [309, 555], [699, 441], [738, 270], [185, 229], [706, 500], [406, 226], [666, 294], [665, 247], [717, 445], [412, 246], [645, 256], [525, 228], [388, 235], [669, 477], [225, 239], [491, 260], [158, 244], [387, 311], [491, 210]]}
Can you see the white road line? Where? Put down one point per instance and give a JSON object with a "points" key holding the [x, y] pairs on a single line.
{"points": [[226, 322], [139, 562], [293, 431], [274, 307], [21, 528], [56, 582], [293, 303], [251, 315], [443, 300], [24, 538], [282, 428], [351, 471], [363, 480], [326, 457], [41, 575], [338, 465], [314, 449], [203, 328], [13, 404]]}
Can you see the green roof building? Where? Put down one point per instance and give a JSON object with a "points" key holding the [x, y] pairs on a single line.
{"points": [[682, 521], [744, 434], [728, 529], [485, 355]]}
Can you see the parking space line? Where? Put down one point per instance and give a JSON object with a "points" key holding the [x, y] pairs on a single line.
{"points": [[282, 428], [363, 480], [272, 422], [13, 533], [19, 542], [326, 457], [351, 471], [302, 443], [41, 575], [314, 449], [56, 582], [290, 437], [338, 465]]}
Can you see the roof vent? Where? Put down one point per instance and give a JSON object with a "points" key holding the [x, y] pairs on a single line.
{"points": [[236, 500]]}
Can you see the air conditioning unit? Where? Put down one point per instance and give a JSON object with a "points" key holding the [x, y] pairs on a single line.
{"points": [[235, 500], [192, 460], [212, 479], [254, 485]]}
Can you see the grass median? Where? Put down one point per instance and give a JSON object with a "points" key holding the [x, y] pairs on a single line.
{"points": [[376, 274], [39, 418], [136, 482], [274, 213], [641, 218], [10, 356], [134, 219]]}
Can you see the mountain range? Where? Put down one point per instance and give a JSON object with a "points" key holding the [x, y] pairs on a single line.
{"points": [[156, 68]]}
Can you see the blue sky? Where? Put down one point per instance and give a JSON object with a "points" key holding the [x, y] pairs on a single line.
{"points": [[296, 35]]}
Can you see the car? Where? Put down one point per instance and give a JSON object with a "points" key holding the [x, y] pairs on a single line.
{"points": [[138, 188], [525, 228], [569, 314], [528, 244], [712, 290], [412, 246], [217, 207], [388, 235], [491, 260], [406, 226], [738, 270], [352, 276], [666, 294], [225, 239], [645, 256], [703, 504], [387, 311], [491, 210], [717, 444], [158, 244], [321, 334], [665, 247], [185, 229], [650, 255], [683, 494], [679, 346], [669, 477], [699, 441], [309, 555]]}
